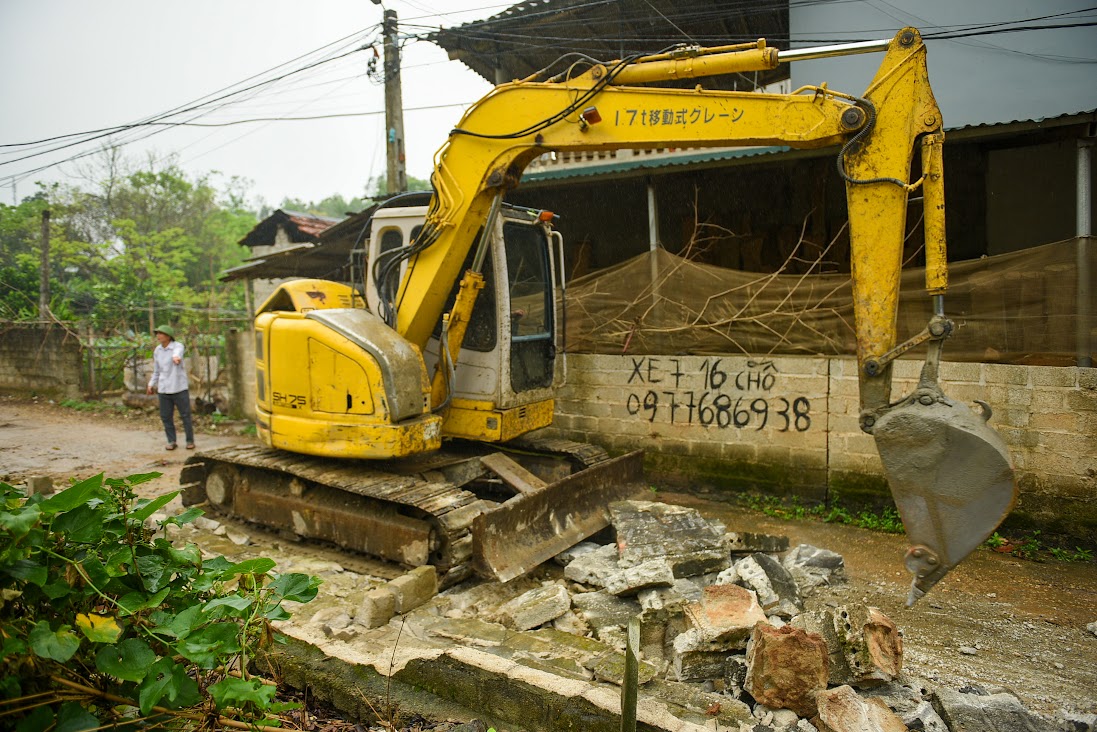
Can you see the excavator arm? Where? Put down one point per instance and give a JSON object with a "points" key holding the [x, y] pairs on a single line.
{"points": [[950, 474]]}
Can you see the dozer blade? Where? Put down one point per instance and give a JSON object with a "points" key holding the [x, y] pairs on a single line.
{"points": [[534, 527], [951, 478]]}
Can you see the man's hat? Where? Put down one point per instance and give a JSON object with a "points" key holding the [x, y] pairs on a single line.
{"points": [[166, 330]]}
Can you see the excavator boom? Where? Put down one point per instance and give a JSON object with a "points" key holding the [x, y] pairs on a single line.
{"points": [[949, 472]]}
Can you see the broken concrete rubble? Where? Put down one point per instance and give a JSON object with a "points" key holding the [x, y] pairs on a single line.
{"points": [[557, 641], [812, 567], [974, 709], [863, 645], [776, 589], [594, 567], [680, 536], [748, 543], [644, 576], [723, 618], [536, 607], [908, 702]]}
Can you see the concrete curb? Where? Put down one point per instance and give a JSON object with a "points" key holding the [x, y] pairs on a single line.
{"points": [[447, 679]]}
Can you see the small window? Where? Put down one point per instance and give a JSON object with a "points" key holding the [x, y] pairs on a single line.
{"points": [[391, 239]]}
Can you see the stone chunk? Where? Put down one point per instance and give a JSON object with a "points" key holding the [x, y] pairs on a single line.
{"points": [[864, 646], [872, 644], [594, 567], [669, 600], [40, 485], [1092, 627], [725, 616], [743, 542], [601, 609], [649, 574], [842, 710], [414, 588], [534, 608], [974, 712], [909, 705], [776, 589], [813, 567], [566, 557], [700, 665], [377, 608], [806, 555], [786, 668], [681, 536]]}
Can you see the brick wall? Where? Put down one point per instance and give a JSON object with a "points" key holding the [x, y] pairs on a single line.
{"points": [[42, 359], [787, 425]]}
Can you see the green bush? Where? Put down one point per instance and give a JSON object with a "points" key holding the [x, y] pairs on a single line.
{"points": [[105, 622]]}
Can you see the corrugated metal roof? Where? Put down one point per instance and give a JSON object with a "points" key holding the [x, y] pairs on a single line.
{"points": [[530, 36], [643, 163]]}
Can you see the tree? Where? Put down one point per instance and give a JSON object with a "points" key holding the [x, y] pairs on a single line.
{"points": [[334, 205], [134, 235], [380, 185]]}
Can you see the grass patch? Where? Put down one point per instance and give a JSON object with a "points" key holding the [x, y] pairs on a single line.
{"points": [[95, 407], [793, 509]]}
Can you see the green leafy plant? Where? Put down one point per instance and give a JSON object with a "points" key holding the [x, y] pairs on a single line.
{"points": [[104, 622], [996, 541], [1077, 555]]}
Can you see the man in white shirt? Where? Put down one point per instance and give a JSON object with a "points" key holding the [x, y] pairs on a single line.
{"points": [[169, 380]]}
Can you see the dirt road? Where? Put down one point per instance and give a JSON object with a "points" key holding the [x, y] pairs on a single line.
{"points": [[996, 621]]}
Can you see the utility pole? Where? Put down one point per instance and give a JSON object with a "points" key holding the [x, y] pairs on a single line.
{"points": [[44, 269], [396, 179]]}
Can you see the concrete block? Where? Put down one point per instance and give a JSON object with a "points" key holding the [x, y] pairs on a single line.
{"points": [[594, 567], [700, 665], [535, 608], [952, 372], [909, 705], [871, 644], [601, 609], [1082, 400], [646, 575], [1087, 379], [725, 615], [996, 373], [786, 668], [776, 589], [1048, 400], [414, 588], [40, 485], [979, 711], [648, 530], [669, 600], [842, 710], [1054, 376], [745, 542]]}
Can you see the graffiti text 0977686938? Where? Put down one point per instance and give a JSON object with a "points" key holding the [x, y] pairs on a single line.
{"points": [[739, 397]]}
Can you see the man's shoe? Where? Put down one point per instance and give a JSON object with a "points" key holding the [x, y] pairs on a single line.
{"points": [[190, 445], [170, 446]]}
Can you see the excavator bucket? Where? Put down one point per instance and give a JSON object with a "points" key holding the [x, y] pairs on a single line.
{"points": [[951, 478], [535, 526]]}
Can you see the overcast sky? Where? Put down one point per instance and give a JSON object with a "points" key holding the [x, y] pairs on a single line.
{"points": [[70, 66]]}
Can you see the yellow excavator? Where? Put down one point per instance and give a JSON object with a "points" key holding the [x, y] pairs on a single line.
{"points": [[401, 419]]}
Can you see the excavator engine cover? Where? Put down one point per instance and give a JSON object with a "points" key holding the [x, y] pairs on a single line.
{"points": [[950, 476]]}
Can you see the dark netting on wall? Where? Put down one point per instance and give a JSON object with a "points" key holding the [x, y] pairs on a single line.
{"points": [[1020, 307]]}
